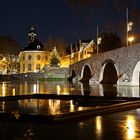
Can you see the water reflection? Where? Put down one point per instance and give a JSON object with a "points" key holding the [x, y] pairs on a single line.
{"points": [[54, 106], [128, 91], [58, 89], [71, 106], [3, 106], [40, 106], [99, 126], [4, 89], [109, 90], [33, 87], [130, 125], [66, 88]]}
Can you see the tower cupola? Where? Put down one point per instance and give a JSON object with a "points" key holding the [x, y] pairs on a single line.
{"points": [[32, 34]]}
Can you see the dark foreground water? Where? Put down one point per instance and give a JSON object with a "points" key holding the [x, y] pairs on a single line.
{"points": [[116, 126]]}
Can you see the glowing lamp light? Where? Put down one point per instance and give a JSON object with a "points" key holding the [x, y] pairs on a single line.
{"points": [[4, 59], [88, 55], [130, 39]]}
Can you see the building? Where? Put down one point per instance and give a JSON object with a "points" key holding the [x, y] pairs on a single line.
{"points": [[32, 58], [9, 64], [82, 50]]}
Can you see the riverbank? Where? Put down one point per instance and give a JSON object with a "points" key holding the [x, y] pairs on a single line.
{"points": [[51, 73]]}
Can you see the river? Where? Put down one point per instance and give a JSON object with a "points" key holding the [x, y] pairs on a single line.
{"points": [[13, 88]]}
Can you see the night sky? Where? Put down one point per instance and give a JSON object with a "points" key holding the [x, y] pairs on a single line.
{"points": [[66, 19]]}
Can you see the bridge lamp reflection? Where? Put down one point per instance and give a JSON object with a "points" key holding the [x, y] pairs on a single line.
{"points": [[130, 123], [99, 125]]}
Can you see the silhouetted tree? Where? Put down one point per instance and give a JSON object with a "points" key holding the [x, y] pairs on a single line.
{"points": [[9, 46], [109, 41]]}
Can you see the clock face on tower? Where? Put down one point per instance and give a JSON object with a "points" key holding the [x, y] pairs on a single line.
{"points": [[38, 47]]}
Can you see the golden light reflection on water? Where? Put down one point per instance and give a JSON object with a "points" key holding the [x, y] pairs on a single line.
{"points": [[36, 87], [99, 130], [80, 108], [3, 106], [81, 124], [13, 91], [3, 89], [71, 106], [99, 124], [65, 90], [58, 89], [54, 106], [130, 124]]}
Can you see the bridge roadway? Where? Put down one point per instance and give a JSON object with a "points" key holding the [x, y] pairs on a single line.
{"points": [[120, 66]]}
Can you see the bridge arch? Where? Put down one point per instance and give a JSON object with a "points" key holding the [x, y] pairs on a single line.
{"points": [[136, 74], [108, 73], [86, 73], [72, 75]]}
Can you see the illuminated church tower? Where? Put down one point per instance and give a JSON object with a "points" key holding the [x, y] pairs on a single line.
{"points": [[32, 58]]}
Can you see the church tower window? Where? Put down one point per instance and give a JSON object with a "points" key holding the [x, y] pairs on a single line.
{"points": [[32, 34]]}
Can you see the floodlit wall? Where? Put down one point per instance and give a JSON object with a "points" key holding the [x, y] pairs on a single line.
{"points": [[32, 61]]}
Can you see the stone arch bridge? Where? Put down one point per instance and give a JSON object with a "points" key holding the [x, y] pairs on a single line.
{"points": [[120, 66]]}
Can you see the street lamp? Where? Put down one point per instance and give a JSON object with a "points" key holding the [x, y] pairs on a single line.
{"points": [[131, 39], [129, 28]]}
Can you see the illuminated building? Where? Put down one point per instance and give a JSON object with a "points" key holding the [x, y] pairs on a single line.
{"points": [[32, 58], [9, 64], [83, 50]]}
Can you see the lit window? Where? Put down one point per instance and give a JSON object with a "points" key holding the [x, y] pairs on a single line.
{"points": [[38, 57], [29, 67], [23, 57], [46, 57], [38, 67], [29, 57], [23, 67], [38, 46]]}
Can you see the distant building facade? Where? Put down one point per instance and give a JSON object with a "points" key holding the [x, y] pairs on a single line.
{"points": [[9, 64], [83, 50]]}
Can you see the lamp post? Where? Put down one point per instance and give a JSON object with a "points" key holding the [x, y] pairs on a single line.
{"points": [[128, 28], [97, 40]]}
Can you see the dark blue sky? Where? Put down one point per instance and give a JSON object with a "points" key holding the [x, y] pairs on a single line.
{"points": [[56, 18]]}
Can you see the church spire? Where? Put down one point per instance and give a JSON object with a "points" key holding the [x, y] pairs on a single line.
{"points": [[32, 34]]}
